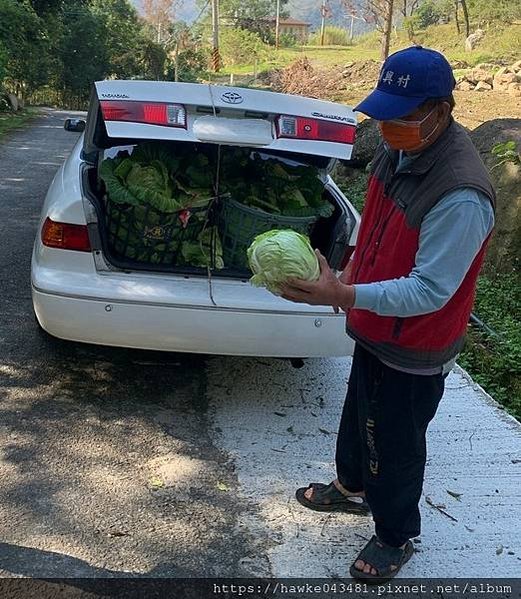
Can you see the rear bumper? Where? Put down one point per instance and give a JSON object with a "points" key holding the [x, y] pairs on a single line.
{"points": [[193, 329]]}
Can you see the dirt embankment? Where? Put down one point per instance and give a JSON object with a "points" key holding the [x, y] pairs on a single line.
{"points": [[351, 82], [504, 252]]}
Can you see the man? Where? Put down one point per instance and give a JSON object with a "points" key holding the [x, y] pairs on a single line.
{"points": [[408, 293]]}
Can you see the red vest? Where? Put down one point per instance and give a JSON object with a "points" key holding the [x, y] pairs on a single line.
{"points": [[388, 241]]}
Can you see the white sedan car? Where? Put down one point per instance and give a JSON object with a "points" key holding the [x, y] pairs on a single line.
{"points": [[83, 291]]}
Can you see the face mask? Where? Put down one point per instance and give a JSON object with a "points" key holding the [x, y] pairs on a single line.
{"points": [[405, 135]]}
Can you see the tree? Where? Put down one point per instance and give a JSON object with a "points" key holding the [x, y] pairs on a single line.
{"points": [[152, 57], [428, 13], [456, 15], [380, 14], [46, 7], [239, 46], [3, 65], [160, 14], [123, 36], [26, 48], [463, 4], [466, 17], [407, 7], [253, 15], [82, 50]]}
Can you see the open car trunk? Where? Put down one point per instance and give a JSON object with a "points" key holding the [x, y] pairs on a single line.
{"points": [[329, 233], [223, 135]]}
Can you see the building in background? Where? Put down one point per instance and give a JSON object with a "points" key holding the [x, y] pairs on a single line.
{"points": [[299, 29]]}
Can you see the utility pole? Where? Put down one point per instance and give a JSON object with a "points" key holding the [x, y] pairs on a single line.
{"points": [[277, 26], [216, 58], [352, 16], [176, 62], [323, 10]]}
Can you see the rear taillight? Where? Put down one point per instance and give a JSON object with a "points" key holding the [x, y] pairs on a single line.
{"points": [[152, 113], [65, 236], [347, 256], [297, 127]]}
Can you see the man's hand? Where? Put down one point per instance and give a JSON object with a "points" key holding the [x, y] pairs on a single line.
{"points": [[345, 277], [327, 291]]}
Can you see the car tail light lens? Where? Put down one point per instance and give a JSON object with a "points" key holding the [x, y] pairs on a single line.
{"points": [[315, 129], [347, 256], [151, 113], [65, 236]]}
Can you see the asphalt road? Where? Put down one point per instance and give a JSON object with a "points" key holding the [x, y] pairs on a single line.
{"points": [[107, 466]]}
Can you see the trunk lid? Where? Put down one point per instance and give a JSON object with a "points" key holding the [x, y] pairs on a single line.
{"points": [[120, 111]]}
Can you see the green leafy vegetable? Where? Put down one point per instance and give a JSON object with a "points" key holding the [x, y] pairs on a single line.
{"points": [[281, 254], [273, 186], [199, 253], [150, 191]]}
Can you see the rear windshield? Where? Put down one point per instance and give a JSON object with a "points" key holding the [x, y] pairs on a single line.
{"points": [[292, 159]]}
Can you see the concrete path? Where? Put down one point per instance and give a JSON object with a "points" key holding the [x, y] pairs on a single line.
{"points": [[286, 436]]}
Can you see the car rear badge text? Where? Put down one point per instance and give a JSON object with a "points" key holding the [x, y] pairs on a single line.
{"points": [[117, 96], [333, 117]]}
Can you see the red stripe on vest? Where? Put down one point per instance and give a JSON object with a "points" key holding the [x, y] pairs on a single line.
{"points": [[386, 249]]}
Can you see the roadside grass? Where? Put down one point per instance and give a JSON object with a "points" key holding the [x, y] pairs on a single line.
{"points": [[501, 41], [320, 56], [494, 360], [12, 120]]}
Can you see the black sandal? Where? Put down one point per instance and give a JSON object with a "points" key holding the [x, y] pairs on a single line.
{"points": [[381, 557], [327, 498]]}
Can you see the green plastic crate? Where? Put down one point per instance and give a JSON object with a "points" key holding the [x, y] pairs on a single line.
{"points": [[240, 224]]}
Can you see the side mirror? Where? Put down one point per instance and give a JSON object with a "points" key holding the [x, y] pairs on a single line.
{"points": [[75, 125]]}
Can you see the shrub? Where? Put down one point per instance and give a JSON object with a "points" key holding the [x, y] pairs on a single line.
{"points": [[3, 63], [288, 40], [5, 106], [494, 361], [428, 13], [498, 10], [192, 66], [239, 46], [353, 183], [333, 36]]}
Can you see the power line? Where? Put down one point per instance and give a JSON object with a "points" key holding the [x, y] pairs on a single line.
{"points": [[201, 13]]}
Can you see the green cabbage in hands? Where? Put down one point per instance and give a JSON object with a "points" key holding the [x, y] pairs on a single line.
{"points": [[279, 255]]}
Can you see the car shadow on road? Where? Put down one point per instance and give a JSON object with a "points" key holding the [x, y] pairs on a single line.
{"points": [[40, 573], [106, 452]]}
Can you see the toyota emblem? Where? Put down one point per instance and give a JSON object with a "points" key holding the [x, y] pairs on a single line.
{"points": [[232, 98]]}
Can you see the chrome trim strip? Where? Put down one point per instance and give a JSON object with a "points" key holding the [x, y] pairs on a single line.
{"points": [[184, 306]]}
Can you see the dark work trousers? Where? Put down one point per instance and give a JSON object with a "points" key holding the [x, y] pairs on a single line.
{"points": [[381, 446]]}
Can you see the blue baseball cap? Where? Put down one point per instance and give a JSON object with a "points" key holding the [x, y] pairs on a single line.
{"points": [[408, 78]]}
